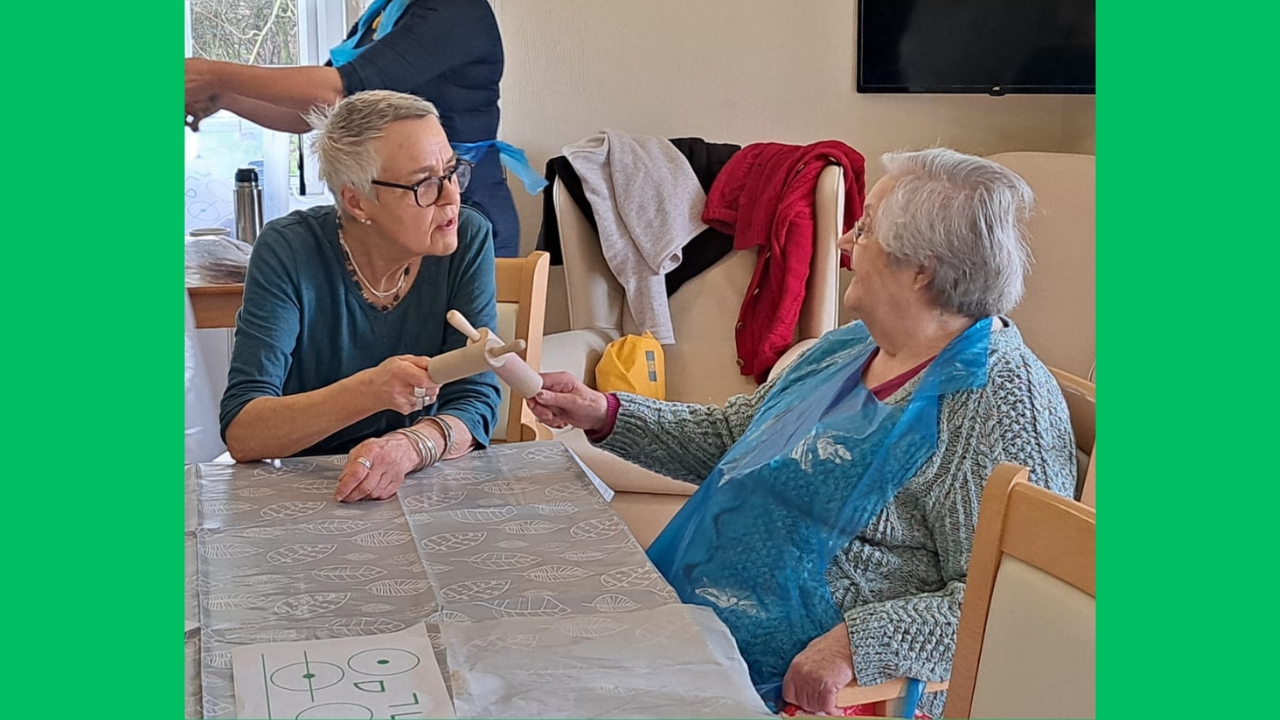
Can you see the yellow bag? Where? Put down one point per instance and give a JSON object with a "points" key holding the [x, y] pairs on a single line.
{"points": [[633, 364]]}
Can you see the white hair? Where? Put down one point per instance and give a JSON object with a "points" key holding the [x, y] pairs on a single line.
{"points": [[963, 216], [344, 132]]}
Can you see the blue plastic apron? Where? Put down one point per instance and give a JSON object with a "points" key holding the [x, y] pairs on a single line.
{"points": [[512, 158], [820, 460]]}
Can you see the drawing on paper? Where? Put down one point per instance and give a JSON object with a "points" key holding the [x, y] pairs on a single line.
{"points": [[393, 675]]}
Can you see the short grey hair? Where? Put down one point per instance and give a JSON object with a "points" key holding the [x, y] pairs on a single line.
{"points": [[965, 217], [344, 132]]}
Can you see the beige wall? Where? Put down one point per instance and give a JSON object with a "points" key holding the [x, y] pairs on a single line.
{"points": [[735, 71]]}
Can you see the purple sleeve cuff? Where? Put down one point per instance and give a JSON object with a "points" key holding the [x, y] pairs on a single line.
{"points": [[611, 419]]}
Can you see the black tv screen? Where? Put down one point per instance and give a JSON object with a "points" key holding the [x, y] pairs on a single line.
{"points": [[976, 46]]}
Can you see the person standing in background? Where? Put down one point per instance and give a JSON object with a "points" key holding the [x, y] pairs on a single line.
{"points": [[448, 52]]}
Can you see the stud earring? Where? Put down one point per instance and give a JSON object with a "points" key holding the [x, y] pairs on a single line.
{"points": [[366, 221]]}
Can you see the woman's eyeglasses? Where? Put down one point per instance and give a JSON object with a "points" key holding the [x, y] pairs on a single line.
{"points": [[427, 190]]}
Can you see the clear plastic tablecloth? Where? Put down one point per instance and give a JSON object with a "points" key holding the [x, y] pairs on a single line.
{"points": [[538, 600]]}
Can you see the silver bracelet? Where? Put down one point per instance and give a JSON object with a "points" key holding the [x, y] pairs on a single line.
{"points": [[428, 458], [420, 446], [445, 430]]}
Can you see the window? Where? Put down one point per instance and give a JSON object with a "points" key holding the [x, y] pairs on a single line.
{"points": [[258, 32]]}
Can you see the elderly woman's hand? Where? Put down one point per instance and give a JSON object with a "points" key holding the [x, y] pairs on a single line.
{"points": [[565, 401], [376, 468], [400, 383], [819, 672]]}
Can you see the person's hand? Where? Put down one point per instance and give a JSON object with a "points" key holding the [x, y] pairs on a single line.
{"points": [[400, 383], [820, 672], [201, 82], [564, 401], [376, 468], [198, 110]]}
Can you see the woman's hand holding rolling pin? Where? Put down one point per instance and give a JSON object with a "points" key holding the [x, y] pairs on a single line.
{"points": [[400, 383]]}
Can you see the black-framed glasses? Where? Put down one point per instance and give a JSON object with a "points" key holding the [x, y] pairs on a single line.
{"points": [[427, 190]]}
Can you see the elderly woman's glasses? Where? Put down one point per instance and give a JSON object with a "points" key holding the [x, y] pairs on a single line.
{"points": [[427, 190]]}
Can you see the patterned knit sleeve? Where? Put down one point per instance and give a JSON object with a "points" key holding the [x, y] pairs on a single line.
{"points": [[1019, 417], [680, 440]]}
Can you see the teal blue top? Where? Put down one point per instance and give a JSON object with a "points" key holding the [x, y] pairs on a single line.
{"points": [[305, 324]]}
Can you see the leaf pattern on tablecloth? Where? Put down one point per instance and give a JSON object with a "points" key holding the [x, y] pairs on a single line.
{"points": [[511, 544], [399, 587], [404, 559], [348, 573], [474, 590], [262, 581], [224, 507], [583, 555], [555, 546], [291, 509], [527, 607], [447, 542], [598, 528], [260, 533], [590, 626], [218, 659], [311, 604], [346, 512], [334, 526], [316, 486], [501, 560], [529, 527], [360, 626], [434, 500], [629, 577], [233, 601], [251, 492], [543, 452], [556, 573], [420, 518], [382, 538], [613, 603], [376, 607], [300, 553], [226, 551], [442, 616], [566, 489], [508, 487], [462, 477], [483, 516], [555, 508], [359, 556]]}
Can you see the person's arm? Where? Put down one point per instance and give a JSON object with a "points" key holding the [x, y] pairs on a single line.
{"points": [[683, 441], [473, 401], [272, 117], [430, 38], [256, 421], [297, 89]]}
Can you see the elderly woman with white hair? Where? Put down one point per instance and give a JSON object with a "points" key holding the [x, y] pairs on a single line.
{"points": [[344, 306], [836, 507]]}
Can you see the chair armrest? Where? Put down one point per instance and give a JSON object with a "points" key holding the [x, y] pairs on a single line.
{"points": [[576, 352], [885, 692]]}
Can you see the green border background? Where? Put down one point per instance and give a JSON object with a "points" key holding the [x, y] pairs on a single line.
{"points": [[93, 355]]}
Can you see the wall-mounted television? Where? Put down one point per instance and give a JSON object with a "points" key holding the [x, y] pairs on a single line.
{"points": [[994, 47]]}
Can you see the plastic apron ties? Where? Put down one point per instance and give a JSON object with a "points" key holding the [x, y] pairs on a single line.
{"points": [[346, 51], [511, 157], [820, 460]]}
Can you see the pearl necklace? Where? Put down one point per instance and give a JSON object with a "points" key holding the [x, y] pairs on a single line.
{"points": [[368, 285]]}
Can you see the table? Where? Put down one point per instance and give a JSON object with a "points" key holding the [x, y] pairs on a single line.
{"points": [[538, 600], [215, 306]]}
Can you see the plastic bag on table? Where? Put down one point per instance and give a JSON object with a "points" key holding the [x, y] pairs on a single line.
{"points": [[217, 260], [203, 433]]}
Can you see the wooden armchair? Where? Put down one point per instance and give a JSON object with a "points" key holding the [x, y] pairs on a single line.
{"points": [[522, 312], [1025, 646]]}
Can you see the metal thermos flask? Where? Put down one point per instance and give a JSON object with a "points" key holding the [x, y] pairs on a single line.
{"points": [[248, 205]]}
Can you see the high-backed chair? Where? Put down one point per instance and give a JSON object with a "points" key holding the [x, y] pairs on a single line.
{"points": [[702, 364], [1057, 313], [1025, 645], [522, 311], [1082, 403]]}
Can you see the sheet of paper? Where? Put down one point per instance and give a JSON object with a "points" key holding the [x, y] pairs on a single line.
{"points": [[394, 675], [605, 490]]}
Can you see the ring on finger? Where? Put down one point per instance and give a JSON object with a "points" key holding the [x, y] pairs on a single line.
{"points": [[419, 403], [365, 462], [419, 392]]}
